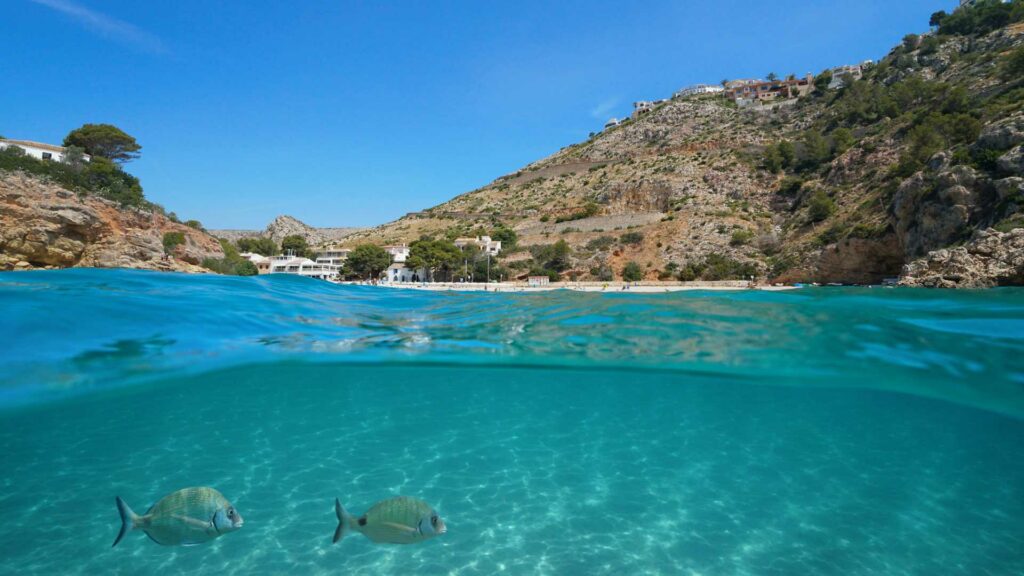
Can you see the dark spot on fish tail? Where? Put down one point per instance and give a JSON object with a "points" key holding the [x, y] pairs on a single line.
{"points": [[362, 521]]}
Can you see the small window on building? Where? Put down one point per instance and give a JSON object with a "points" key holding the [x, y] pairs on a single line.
{"points": [[47, 156]]}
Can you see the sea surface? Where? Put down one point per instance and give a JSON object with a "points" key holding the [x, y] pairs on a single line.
{"points": [[819, 431]]}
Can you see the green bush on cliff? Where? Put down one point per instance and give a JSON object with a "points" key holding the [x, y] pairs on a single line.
{"points": [[820, 206], [172, 240]]}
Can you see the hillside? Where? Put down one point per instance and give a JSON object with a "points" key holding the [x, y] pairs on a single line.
{"points": [[284, 226], [44, 225], [850, 185]]}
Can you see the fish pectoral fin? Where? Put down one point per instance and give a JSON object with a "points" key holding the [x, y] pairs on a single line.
{"points": [[193, 522]]}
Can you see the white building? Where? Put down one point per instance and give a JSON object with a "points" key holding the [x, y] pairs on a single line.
{"points": [[400, 273], [484, 243], [698, 89], [289, 264], [39, 150], [398, 253], [333, 256], [612, 123]]}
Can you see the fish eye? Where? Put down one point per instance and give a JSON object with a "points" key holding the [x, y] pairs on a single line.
{"points": [[433, 520]]}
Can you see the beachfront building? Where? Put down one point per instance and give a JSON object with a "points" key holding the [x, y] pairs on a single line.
{"points": [[261, 262], [39, 150], [747, 92], [536, 281], [698, 89], [299, 266], [400, 273], [483, 243], [333, 256]]}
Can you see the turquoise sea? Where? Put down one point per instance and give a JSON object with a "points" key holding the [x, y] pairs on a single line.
{"points": [[819, 431]]}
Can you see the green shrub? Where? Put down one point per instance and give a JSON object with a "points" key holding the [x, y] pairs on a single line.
{"points": [[600, 244], [1013, 66], [590, 209], [631, 238], [741, 237], [172, 240], [790, 186], [632, 272], [820, 206], [719, 267]]}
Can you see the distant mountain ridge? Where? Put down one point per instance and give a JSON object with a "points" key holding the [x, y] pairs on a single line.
{"points": [[285, 225]]}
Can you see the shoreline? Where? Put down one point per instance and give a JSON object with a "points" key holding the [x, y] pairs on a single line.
{"points": [[607, 287]]}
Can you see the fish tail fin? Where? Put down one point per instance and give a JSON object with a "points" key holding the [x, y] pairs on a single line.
{"points": [[344, 521], [129, 519]]}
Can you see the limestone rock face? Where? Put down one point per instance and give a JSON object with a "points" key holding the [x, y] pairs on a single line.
{"points": [[1003, 134], [936, 211], [45, 226], [992, 258], [1013, 161]]}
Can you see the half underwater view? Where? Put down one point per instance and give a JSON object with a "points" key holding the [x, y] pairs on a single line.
{"points": [[813, 431]]}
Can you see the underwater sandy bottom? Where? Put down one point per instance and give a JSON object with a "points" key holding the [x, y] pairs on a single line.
{"points": [[537, 471]]}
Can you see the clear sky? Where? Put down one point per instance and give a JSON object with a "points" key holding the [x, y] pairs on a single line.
{"points": [[345, 113]]}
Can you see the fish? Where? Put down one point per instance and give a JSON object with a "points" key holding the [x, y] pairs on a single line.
{"points": [[187, 517], [399, 520]]}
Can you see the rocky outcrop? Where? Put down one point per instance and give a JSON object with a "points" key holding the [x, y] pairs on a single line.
{"points": [[45, 226], [284, 226], [935, 211], [992, 258]]}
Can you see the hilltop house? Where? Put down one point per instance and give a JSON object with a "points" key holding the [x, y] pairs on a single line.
{"points": [[39, 150], [698, 89], [612, 123], [748, 92]]}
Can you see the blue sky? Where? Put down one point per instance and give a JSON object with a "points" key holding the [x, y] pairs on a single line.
{"points": [[353, 113]]}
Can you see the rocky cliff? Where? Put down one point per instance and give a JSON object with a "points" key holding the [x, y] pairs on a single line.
{"points": [[285, 225], [45, 226], [924, 153]]}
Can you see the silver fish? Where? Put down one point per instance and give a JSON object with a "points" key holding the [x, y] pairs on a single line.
{"points": [[399, 520], [187, 517]]}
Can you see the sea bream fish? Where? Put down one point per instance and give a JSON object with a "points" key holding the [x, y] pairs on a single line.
{"points": [[399, 520], [184, 518]]}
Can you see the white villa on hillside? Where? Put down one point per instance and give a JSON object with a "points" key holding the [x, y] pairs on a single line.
{"points": [[39, 150], [484, 243], [698, 89]]}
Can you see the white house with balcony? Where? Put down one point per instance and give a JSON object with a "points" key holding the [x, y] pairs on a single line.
{"points": [[840, 74], [40, 151]]}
